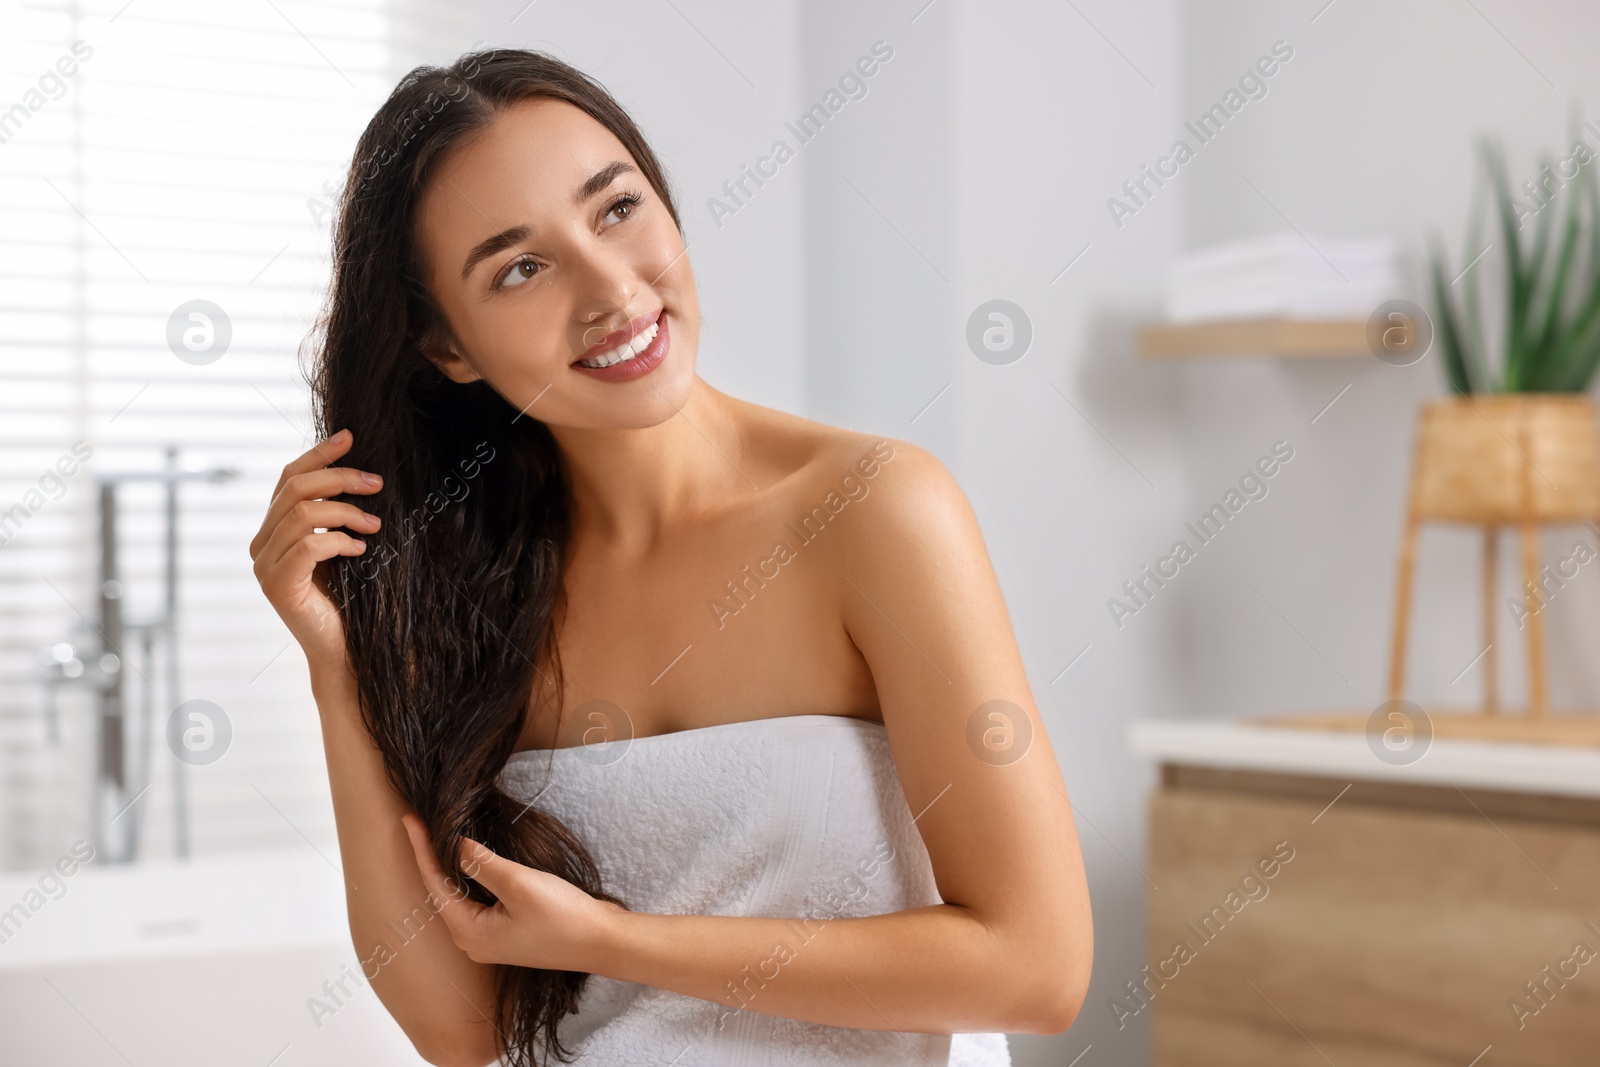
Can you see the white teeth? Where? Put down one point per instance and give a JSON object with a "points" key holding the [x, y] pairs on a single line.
{"points": [[626, 351]]}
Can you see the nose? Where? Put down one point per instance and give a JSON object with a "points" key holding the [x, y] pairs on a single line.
{"points": [[606, 282]]}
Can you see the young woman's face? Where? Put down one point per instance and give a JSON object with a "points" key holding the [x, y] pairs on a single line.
{"points": [[545, 248]]}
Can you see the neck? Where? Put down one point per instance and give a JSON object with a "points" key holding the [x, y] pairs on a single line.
{"points": [[632, 487]]}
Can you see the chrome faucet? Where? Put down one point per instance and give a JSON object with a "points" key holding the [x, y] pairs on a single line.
{"points": [[99, 661]]}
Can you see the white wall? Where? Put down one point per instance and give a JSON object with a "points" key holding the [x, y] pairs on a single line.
{"points": [[882, 262]]}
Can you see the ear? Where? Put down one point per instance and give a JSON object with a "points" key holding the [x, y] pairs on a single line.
{"points": [[443, 353]]}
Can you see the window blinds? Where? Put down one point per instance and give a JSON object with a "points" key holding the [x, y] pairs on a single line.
{"points": [[153, 155]]}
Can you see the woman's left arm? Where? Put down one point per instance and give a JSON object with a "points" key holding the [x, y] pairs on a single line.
{"points": [[1010, 948]]}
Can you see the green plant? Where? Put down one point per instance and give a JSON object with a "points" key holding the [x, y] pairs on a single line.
{"points": [[1552, 309]]}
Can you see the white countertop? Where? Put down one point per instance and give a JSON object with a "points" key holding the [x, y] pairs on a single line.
{"points": [[1553, 769]]}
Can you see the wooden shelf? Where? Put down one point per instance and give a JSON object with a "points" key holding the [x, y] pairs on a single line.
{"points": [[1295, 338]]}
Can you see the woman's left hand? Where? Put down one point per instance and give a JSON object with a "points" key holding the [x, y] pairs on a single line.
{"points": [[539, 920]]}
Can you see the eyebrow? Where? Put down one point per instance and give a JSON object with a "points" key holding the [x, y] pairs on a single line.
{"points": [[601, 179], [510, 236], [492, 245]]}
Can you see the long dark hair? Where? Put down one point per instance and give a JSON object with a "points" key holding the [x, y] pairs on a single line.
{"points": [[458, 597]]}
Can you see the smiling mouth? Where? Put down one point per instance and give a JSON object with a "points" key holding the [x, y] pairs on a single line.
{"points": [[625, 351]]}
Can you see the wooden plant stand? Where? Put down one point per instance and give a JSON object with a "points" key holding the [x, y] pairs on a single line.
{"points": [[1514, 461]]}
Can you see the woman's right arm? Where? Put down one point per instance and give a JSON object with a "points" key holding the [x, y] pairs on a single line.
{"points": [[441, 998]]}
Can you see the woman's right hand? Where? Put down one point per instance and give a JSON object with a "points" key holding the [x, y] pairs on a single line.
{"points": [[287, 548]]}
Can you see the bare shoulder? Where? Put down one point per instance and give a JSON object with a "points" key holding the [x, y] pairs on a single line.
{"points": [[917, 519], [812, 457]]}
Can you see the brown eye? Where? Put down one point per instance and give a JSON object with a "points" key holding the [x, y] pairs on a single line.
{"points": [[520, 271], [625, 204]]}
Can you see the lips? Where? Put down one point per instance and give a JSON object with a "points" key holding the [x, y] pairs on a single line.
{"points": [[617, 337], [656, 340]]}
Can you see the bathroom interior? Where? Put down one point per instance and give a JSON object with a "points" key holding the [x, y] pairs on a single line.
{"points": [[1170, 273]]}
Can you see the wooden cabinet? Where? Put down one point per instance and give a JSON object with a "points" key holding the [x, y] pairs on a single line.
{"points": [[1404, 914]]}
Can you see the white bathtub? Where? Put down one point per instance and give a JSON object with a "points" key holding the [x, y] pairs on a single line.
{"points": [[204, 962]]}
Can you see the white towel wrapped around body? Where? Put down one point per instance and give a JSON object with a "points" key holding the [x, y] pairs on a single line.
{"points": [[799, 817]]}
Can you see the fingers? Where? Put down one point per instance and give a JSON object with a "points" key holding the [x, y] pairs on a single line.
{"points": [[302, 490], [324, 482], [432, 874], [300, 559], [484, 866], [304, 518], [439, 883], [321, 454], [310, 475]]}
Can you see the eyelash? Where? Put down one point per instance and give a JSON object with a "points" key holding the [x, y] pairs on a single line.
{"points": [[626, 200], [630, 200]]}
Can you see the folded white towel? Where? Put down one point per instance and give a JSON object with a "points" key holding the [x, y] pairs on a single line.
{"points": [[789, 817], [1284, 275]]}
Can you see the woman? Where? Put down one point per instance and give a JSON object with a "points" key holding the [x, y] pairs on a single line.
{"points": [[629, 688]]}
